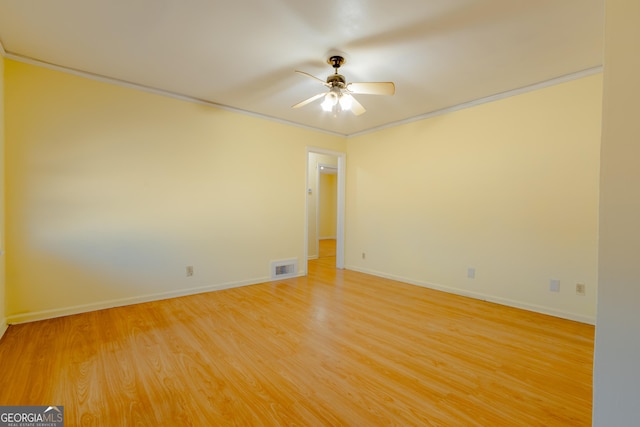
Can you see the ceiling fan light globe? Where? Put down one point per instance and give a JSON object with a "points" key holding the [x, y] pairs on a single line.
{"points": [[346, 101], [326, 105], [330, 100]]}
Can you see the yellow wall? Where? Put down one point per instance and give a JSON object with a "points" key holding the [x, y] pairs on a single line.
{"points": [[327, 212], [617, 350], [3, 323], [112, 192], [509, 188]]}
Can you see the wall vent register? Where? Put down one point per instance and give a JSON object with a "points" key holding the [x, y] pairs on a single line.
{"points": [[284, 269]]}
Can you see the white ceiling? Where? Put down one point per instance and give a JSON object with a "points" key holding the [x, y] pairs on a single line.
{"points": [[241, 54]]}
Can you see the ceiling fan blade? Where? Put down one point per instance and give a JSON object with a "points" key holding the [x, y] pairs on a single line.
{"points": [[372, 88], [313, 77], [308, 100], [356, 107]]}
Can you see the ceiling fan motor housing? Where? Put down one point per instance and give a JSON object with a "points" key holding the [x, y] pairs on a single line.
{"points": [[337, 80]]}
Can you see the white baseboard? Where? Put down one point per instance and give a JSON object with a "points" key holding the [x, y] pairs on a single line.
{"points": [[483, 297], [101, 305], [327, 238]]}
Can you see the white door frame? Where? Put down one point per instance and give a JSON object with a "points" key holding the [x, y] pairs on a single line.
{"points": [[341, 187]]}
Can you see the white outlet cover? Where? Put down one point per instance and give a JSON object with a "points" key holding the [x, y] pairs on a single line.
{"points": [[554, 285]]}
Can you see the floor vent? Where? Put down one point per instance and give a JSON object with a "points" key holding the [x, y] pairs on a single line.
{"points": [[284, 269]]}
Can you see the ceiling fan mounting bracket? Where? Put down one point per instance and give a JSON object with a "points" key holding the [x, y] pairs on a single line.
{"points": [[335, 61]]}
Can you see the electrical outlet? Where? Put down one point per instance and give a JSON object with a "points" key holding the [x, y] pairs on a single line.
{"points": [[554, 285], [581, 289], [471, 273], [189, 270]]}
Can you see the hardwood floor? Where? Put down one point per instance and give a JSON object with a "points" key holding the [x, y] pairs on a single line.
{"points": [[334, 348], [327, 248]]}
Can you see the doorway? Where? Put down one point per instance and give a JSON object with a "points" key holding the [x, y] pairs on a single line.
{"points": [[325, 204], [327, 210]]}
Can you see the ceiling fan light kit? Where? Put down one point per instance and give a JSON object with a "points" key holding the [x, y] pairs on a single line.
{"points": [[339, 97], [330, 100]]}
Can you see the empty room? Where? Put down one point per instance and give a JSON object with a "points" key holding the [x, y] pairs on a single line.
{"points": [[343, 213]]}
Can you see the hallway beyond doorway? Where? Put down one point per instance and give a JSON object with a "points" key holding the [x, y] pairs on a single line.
{"points": [[326, 248]]}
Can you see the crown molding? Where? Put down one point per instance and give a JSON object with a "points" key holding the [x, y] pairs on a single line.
{"points": [[496, 97], [148, 89], [123, 83]]}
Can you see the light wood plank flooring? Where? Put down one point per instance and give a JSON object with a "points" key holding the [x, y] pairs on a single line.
{"points": [[327, 248], [336, 348]]}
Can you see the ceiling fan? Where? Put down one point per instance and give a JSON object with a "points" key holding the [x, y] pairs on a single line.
{"points": [[339, 97]]}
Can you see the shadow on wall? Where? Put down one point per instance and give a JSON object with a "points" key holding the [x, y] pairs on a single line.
{"points": [[80, 274]]}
